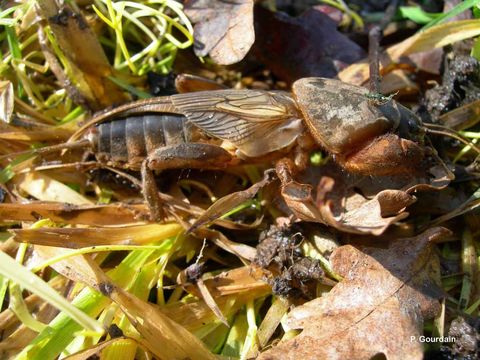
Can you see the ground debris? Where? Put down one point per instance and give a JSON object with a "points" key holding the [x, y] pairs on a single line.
{"points": [[467, 338], [382, 288], [287, 269], [460, 86]]}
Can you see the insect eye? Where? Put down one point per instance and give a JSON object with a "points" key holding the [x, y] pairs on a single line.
{"points": [[413, 126]]}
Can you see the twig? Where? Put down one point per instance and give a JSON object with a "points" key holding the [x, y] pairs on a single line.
{"points": [[374, 37]]}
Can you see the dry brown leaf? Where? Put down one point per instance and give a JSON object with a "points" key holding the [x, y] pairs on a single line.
{"points": [[230, 289], [95, 236], [372, 216], [223, 29], [94, 215], [359, 204], [232, 282], [40, 134], [383, 300], [338, 204], [463, 117], [241, 250]]}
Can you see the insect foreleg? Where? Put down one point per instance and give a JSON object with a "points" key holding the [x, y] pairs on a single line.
{"points": [[297, 196]]}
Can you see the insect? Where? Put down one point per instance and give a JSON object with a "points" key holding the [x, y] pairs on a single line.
{"points": [[220, 128]]}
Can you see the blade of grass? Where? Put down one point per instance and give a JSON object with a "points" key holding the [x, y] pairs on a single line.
{"points": [[469, 267], [251, 337], [5, 20], [476, 49], [17, 305], [131, 89], [236, 337], [461, 7], [417, 14], [62, 330], [7, 173], [9, 268]]}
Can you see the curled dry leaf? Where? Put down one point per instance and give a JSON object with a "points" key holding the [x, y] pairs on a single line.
{"points": [[371, 216], [359, 204], [223, 29], [382, 302], [363, 216]]}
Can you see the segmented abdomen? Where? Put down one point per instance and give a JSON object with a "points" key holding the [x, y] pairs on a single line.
{"points": [[129, 141]]}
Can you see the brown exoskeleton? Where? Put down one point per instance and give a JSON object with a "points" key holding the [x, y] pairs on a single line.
{"points": [[215, 129]]}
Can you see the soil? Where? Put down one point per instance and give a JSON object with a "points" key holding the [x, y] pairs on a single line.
{"points": [[460, 86], [290, 273]]}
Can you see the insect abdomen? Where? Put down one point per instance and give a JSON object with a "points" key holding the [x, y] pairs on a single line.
{"points": [[129, 141]]}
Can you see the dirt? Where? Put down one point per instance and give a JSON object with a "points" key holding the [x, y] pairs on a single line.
{"points": [[460, 86], [291, 273], [466, 345]]}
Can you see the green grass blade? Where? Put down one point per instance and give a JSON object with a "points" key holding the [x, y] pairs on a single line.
{"points": [[133, 90], [467, 4], [22, 276], [417, 14]]}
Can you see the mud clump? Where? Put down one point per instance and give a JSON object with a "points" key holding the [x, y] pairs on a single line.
{"points": [[287, 269], [460, 86]]}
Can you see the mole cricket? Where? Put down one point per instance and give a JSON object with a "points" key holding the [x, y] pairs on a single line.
{"points": [[215, 129]]}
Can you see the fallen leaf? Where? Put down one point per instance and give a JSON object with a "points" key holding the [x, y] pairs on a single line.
{"points": [[378, 308], [95, 215], [223, 29], [76, 238], [304, 46], [343, 203], [358, 204]]}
